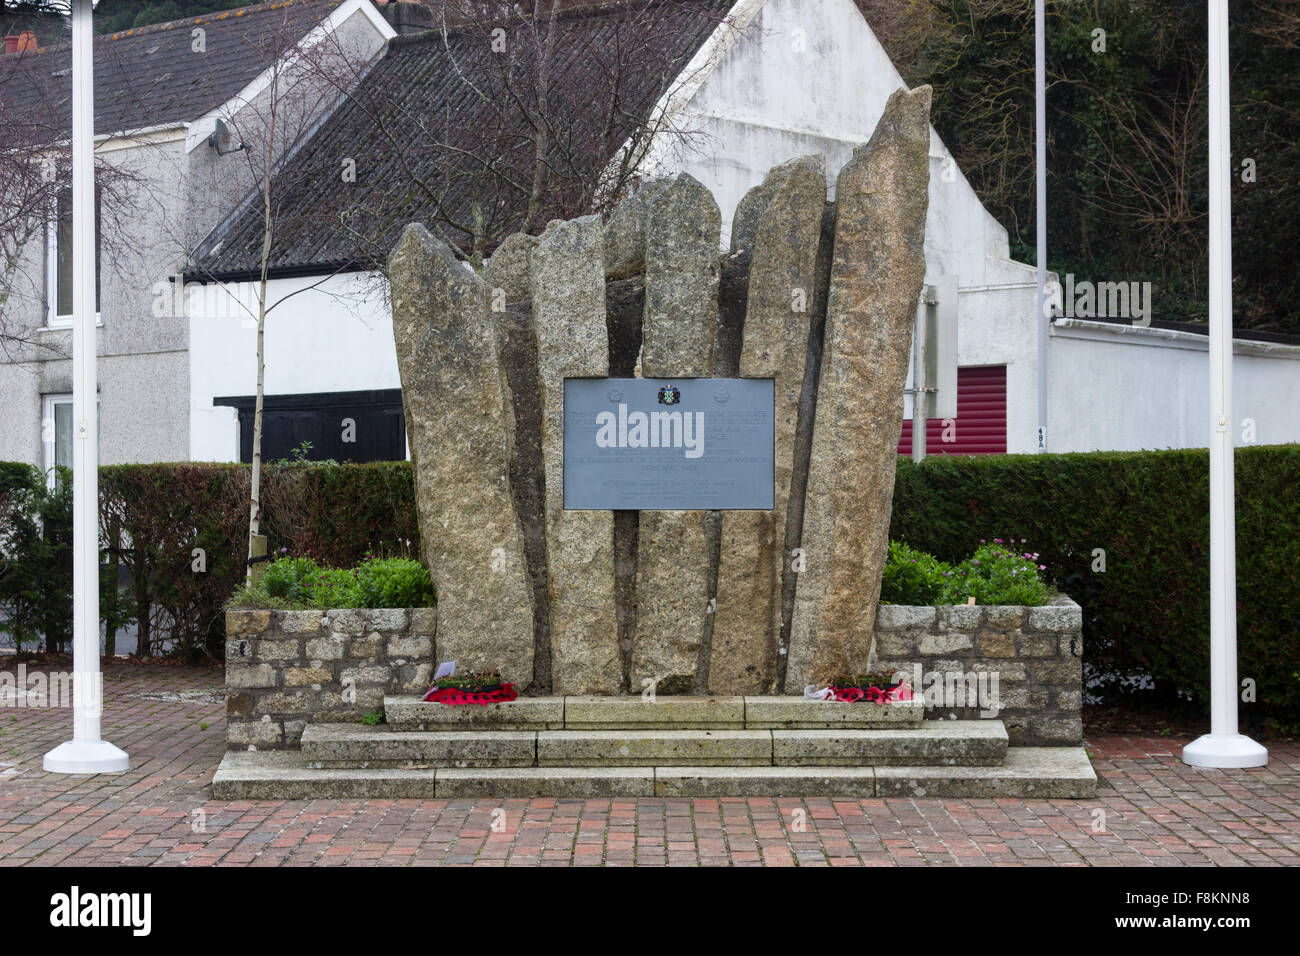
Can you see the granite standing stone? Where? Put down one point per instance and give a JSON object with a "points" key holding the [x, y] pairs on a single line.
{"points": [[674, 552], [785, 238], [507, 277], [459, 425], [568, 288], [744, 224], [876, 279], [625, 233], [507, 270]]}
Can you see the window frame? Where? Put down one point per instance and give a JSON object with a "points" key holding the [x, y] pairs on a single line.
{"points": [[54, 320], [49, 448]]}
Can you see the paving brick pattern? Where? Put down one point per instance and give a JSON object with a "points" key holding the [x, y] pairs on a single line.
{"points": [[1151, 810]]}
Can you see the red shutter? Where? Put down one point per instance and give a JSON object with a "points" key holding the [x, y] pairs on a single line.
{"points": [[981, 422]]}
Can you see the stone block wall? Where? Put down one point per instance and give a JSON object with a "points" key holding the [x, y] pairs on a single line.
{"points": [[1036, 654], [284, 668]]}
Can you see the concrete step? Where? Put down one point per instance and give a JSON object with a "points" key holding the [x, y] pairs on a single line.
{"points": [[524, 713], [936, 743], [663, 713], [359, 746], [1051, 773], [284, 775], [795, 713], [654, 748], [1027, 773]]}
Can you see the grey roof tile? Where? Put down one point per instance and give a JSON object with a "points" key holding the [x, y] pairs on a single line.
{"points": [[430, 82], [152, 75]]}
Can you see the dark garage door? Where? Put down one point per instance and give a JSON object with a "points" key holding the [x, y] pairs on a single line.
{"points": [[344, 426]]}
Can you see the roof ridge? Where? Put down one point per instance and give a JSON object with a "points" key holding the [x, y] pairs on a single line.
{"points": [[200, 20], [584, 8]]}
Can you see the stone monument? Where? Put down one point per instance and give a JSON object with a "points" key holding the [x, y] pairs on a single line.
{"points": [[709, 591]]}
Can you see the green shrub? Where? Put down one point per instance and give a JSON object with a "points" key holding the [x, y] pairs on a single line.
{"points": [[36, 560], [292, 579], [336, 587], [394, 582], [912, 577], [300, 582], [255, 596], [995, 574]]}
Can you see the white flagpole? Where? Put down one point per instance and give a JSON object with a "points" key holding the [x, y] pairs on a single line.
{"points": [[1223, 746], [1040, 189], [86, 752]]}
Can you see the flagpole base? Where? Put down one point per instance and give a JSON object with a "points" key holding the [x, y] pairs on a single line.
{"points": [[86, 756], [1225, 751]]}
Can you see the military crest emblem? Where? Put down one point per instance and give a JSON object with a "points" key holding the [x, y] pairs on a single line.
{"points": [[669, 395]]}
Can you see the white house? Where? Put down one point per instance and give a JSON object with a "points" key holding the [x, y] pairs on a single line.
{"points": [[784, 78], [162, 91], [777, 79]]}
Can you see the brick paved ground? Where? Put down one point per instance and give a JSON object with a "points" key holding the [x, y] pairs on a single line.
{"points": [[1150, 810]]}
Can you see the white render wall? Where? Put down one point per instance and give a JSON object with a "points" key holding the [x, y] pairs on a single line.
{"points": [[1121, 388], [334, 338], [812, 78]]}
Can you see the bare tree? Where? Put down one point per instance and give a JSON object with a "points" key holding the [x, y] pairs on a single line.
{"points": [[266, 135]]}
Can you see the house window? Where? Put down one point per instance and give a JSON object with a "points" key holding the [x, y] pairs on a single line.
{"points": [[56, 433], [59, 279]]}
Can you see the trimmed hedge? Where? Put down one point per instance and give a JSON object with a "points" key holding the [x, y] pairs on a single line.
{"points": [[36, 560], [1149, 512], [1147, 612], [162, 513], [35, 556]]}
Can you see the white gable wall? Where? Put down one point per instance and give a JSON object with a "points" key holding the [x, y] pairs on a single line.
{"points": [[331, 336], [812, 78]]}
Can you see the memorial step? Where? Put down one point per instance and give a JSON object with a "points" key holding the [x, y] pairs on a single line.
{"points": [[662, 713], [359, 746], [935, 743], [652, 748], [1027, 772]]}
